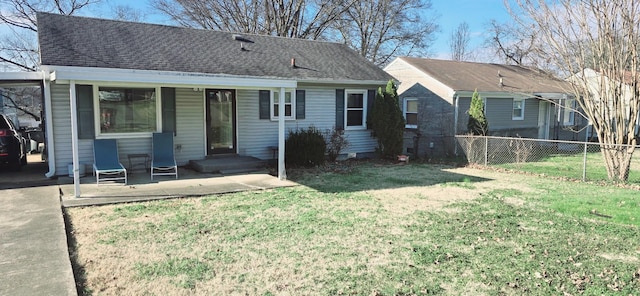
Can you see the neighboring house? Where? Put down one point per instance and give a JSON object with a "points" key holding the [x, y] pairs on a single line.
{"points": [[435, 96], [594, 81], [218, 92]]}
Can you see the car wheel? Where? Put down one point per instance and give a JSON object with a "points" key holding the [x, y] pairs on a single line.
{"points": [[16, 165]]}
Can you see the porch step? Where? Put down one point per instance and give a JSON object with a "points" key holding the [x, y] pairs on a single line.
{"points": [[228, 164]]}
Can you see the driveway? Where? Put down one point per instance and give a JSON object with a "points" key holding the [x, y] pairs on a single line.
{"points": [[34, 259]]}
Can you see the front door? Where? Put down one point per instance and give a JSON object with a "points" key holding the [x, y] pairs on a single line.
{"points": [[221, 121]]}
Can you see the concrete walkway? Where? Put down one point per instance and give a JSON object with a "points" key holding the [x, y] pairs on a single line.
{"points": [[34, 259]]}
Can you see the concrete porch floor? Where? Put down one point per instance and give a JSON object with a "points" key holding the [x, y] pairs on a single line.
{"points": [[140, 187]]}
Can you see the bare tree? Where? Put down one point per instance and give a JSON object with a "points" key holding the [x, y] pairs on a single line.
{"points": [[127, 13], [603, 35], [383, 29], [287, 18], [26, 100], [19, 50], [512, 43], [459, 42]]}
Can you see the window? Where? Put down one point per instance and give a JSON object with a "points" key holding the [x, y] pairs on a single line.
{"points": [[518, 109], [356, 111], [127, 110], [289, 105], [568, 115], [411, 112]]}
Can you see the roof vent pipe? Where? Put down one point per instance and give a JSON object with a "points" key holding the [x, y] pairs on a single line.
{"points": [[293, 62]]}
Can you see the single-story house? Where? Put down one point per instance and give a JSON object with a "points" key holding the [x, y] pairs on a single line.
{"points": [[435, 96], [218, 92], [593, 81]]}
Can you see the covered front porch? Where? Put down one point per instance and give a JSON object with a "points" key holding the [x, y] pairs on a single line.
{"points": [[142, 188], [193, 100]]}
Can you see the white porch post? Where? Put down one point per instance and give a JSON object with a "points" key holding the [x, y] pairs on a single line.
{"points": [[282, 173], [455, 123], [74, 138], [51, 159]]}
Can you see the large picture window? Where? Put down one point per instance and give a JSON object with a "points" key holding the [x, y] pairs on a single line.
{"points": [[127, 110], [356, 111]]}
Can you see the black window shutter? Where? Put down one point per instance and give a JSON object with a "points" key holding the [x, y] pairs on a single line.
{"points": [[300, 104], [168, 95], [84, 103], [371, 98], [264, 101], [340, 109]]}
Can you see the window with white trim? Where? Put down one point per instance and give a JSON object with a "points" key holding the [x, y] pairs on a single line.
{"points": [[356, 109], [410, 110], [127, 110], [518, 109], [568, 116], [289, 105]]}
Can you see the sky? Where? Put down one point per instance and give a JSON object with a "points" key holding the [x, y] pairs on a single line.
{"points": [[477, 13]]}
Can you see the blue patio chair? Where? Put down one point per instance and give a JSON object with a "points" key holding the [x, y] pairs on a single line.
{"points": [[163, 161], [106, 164]]}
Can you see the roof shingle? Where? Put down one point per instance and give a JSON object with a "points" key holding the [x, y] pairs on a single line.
{"points": [[485, 77], [90, 42]]}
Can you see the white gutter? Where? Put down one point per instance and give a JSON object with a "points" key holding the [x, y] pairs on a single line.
{"points": [[20, 78], [51, 159], [74, 138], [455, 124], [345, 82], [282, 173], [66, 74]]}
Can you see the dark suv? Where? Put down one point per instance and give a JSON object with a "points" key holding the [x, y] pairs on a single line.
{"points": [[13, 146]]}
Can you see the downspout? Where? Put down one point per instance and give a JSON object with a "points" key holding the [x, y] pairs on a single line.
{"points": [[455, 124], [51, 159], [282, 173], [74, 138]]}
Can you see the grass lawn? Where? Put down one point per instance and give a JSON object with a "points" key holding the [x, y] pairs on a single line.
{"points": [[571, 166], [372, 229]]}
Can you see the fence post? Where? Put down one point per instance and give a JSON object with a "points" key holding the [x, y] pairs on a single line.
{"points": [[486, 150], [584, 163]]}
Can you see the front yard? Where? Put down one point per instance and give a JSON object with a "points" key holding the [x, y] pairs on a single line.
{"points": [[370, 229]]}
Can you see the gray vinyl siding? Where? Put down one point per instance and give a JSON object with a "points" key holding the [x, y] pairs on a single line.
{"points": [[499, 113], [189, 125], [190, 132], [61, 124], [256, 135], [463, 115]]}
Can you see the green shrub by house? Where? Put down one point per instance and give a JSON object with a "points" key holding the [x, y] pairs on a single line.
{"points": [[387, 122], [305, 147], [477, 123]]}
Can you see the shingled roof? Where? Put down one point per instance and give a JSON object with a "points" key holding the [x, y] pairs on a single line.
{"points": [[485, 77], [90, 42]]}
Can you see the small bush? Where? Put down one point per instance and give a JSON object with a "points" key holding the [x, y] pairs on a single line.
{"points": [[387, 122], [305, 147], [336, 142]]}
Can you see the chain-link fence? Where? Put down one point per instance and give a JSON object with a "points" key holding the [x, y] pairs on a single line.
{"points": [[576, 160]]}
